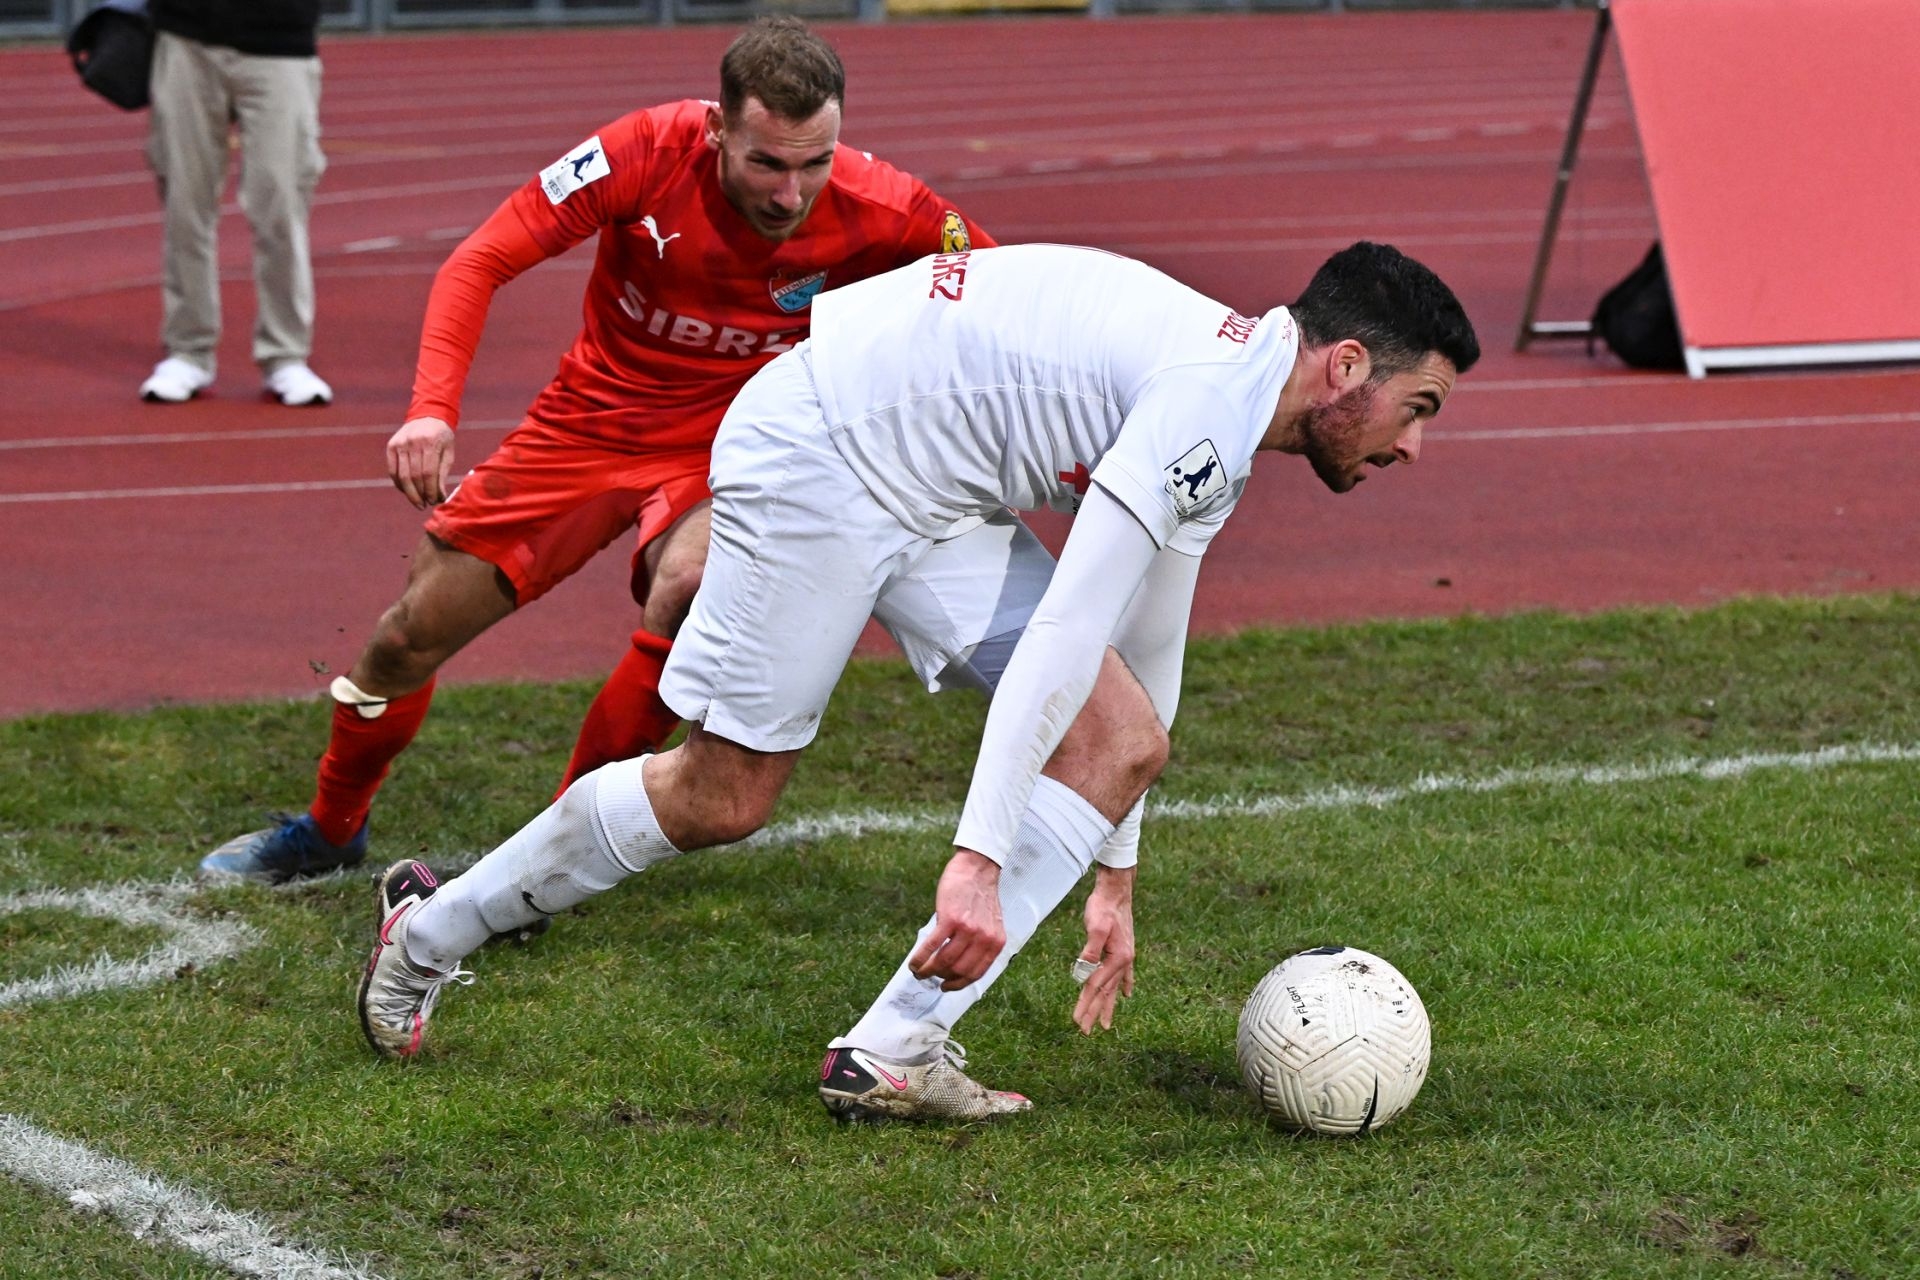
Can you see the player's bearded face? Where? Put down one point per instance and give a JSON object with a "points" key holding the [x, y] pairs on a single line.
{"points": [[1376, 423], [1336, 437], [772, 169]]}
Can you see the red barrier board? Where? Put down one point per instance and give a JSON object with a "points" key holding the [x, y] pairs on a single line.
{"points": [[1782, 141]]}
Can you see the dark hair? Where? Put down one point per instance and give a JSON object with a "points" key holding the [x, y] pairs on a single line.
{"points": [[792, 71], [1390, 304]]}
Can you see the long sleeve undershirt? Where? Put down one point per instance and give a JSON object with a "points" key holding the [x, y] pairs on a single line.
{"points": [[1113, 586]]}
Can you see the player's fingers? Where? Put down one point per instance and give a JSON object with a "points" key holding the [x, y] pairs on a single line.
{"points": [[1096, 1000], [1095, 1006], [1111, 998], [920, 963], [1096, 944], [439, 471], [425, 472], [402, 472], [959, 967], [965, 961], [420, 467]]}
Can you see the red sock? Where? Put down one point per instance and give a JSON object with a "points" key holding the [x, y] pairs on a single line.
{"points": [[627, 718], [357, 758]]}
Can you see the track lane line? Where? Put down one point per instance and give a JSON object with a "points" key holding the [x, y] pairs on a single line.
{"points": [[1468, 435]]}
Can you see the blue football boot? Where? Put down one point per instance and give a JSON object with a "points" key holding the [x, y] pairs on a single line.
{"points": [[291, 849]]}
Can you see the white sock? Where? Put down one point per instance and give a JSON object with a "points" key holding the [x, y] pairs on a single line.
{"points": [[590, 839], [1054, 846]]}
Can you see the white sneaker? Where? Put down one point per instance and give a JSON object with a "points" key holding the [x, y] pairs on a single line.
{"points": [[175, 381], [396, 995], [295, 385], [857, 1085]]}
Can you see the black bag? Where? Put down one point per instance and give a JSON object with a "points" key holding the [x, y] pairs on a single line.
{"points": [[1636, 318], [112, 49]]}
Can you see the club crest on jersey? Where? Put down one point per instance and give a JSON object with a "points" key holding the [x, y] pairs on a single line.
{"points": [[1196, 477], [796, 295], [584, 164], [953, 234]]}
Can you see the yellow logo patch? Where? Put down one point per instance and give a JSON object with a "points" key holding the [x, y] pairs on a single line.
{"points": [[953, 234]]}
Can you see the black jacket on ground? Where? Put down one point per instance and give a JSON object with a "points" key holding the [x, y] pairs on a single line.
{"points": [[273, 28]]}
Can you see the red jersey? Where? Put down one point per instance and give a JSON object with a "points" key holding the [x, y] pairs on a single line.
{"points": [[686, 301]]}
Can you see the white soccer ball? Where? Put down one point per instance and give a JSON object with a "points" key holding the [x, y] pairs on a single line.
{"points": [[1334, 1041]]}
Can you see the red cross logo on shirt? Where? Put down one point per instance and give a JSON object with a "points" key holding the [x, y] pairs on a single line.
{"points": [[1079, 477]]}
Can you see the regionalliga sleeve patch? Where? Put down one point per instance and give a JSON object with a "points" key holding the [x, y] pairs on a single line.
{"points": [[584, 164]]}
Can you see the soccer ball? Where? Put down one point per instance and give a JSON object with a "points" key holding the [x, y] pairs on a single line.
{"points": [[1334, 1041]]}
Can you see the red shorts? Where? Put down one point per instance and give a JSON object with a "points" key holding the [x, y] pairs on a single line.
{"points": [[545, 503]]}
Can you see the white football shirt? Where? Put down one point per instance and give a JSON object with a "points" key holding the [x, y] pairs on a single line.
{"points": [[1015, 376]]}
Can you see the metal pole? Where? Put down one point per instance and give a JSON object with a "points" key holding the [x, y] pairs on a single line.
{"points": [[1568, 154]]}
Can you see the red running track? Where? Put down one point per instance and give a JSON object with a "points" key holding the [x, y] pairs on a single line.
{"points": [[231, 549]]}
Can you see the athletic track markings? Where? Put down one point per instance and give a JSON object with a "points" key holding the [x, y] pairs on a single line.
{"points": [[380, 482], [148, 1207]]}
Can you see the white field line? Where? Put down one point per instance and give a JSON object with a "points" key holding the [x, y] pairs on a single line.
{"points": [[152, 1209], [191, 939], [856, 823]]}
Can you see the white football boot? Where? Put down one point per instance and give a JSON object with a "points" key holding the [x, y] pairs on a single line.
{"points": [[396, 995], [857, 1085]]}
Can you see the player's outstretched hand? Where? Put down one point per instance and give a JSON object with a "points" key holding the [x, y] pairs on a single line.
{"points": [[420, 460], [1109, 948], [967, 929]]}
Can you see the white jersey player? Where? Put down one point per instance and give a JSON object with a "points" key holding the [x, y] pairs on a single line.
{"points": [[870, 472]]}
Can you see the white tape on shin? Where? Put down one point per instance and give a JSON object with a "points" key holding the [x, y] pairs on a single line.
{"points": [[1122, 849], [348, 694]]}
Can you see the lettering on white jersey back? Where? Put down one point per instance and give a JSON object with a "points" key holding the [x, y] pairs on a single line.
{"points": [[1196, 477], [949, 275], [584, 164], [1237, 328]]}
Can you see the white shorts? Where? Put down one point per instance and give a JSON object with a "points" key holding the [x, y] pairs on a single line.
{"points": [[801, 556]]}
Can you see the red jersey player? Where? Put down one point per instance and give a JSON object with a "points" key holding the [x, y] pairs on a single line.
{"points": [[718, 224]]}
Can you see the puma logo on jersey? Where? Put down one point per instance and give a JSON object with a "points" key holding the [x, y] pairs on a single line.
{"points": [[653, 229]]}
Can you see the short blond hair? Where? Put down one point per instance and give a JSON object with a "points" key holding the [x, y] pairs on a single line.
{"points": [[778, 60]]}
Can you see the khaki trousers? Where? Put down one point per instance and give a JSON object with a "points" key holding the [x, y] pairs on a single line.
{"points": [[200, 93]]}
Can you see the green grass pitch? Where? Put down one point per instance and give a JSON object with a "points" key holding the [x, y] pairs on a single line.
{"points": [[1674, 1017]]}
